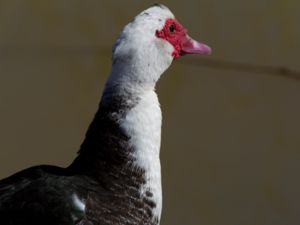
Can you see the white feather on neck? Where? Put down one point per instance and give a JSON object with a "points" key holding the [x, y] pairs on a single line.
{"points": [[143, 125]]}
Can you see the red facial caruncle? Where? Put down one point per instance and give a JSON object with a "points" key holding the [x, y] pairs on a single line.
{"points": [[176, 35]]}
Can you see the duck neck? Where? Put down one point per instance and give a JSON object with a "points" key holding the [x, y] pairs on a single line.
{"points": [[122, 144]]}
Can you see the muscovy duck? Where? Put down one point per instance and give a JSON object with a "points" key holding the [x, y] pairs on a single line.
{"points": [[115, 178]]}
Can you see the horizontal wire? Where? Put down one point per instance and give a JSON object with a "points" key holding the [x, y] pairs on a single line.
{"points": [[207, 62], [244, 67]]}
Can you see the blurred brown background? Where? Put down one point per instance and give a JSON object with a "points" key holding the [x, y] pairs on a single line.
{"points": [[230, 143]]}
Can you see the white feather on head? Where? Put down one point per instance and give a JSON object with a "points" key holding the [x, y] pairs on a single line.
{"points": [[138, 53]]}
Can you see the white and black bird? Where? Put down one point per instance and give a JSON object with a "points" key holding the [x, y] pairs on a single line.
{"points": [[116, 177]]}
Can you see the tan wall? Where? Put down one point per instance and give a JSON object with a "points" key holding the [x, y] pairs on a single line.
{"points": [[230, 143]]}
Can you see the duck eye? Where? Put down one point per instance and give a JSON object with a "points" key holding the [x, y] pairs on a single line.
{"points": [[172, 28]]}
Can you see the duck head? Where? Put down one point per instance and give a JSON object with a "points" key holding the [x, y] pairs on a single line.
{"points": [[147, 46]]}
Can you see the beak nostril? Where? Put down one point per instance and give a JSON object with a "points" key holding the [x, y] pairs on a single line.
{"points": [[190, 46]]}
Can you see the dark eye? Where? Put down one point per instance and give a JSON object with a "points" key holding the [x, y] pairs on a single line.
{"points": [[172, 28]]}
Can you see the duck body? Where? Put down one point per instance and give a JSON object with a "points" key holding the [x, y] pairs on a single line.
{"points": [[116, 177], [104, 184]]}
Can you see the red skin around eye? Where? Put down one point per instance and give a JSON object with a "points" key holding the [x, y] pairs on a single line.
{"points": [[175, 37]]}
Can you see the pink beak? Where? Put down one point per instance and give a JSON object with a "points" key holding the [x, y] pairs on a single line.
{"points": [[190, 46]]}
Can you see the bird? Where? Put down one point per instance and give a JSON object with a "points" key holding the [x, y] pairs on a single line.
{"points": [[115, 179]]}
